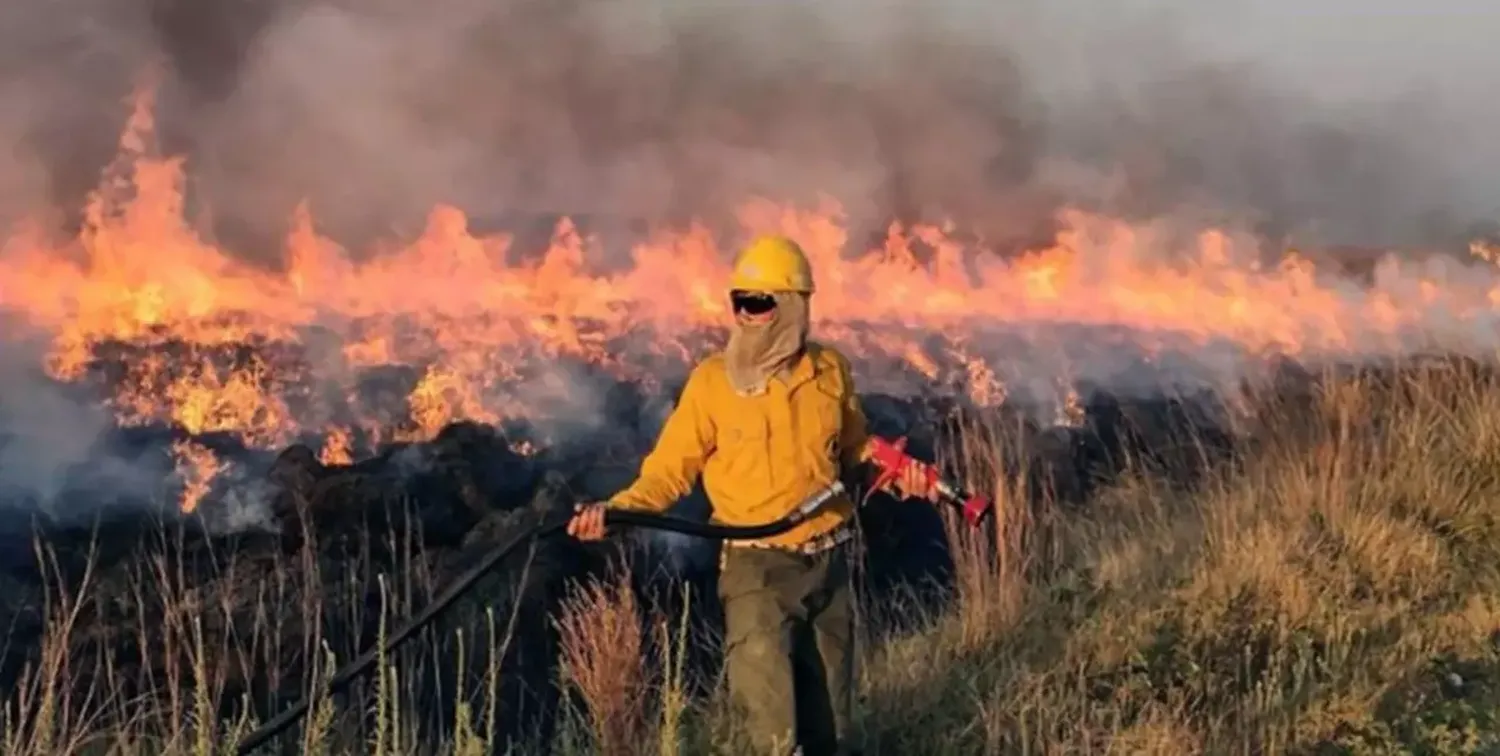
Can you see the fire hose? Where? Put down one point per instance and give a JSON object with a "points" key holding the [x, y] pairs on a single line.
{"points": [[890, 458]]}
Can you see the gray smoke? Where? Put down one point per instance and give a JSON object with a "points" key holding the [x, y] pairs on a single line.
{"points": [[1337, 122], [1342, 124], [50, 440]]}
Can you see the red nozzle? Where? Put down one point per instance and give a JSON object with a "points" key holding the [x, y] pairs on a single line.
{"points": [[975, 508], [892, 459]]}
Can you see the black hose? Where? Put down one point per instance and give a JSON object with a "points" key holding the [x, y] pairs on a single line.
{"points": [[550, 526]]}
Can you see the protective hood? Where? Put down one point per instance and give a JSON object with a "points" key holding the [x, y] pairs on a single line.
{"points": [[757, 353]]}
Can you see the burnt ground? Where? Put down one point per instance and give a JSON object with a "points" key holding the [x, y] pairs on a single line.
{"points": [[328, 546]]}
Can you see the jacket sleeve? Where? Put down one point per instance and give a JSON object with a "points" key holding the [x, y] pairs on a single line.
{"points": [[670, 470], [854, 439]]}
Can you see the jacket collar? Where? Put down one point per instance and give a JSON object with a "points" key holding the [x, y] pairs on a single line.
{"points": [[807, 367]]}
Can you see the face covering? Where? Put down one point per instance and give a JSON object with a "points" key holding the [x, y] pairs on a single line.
{"points": [[761, 351]]}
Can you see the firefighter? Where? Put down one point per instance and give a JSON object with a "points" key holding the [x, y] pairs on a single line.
{"points": [[768, 422]]}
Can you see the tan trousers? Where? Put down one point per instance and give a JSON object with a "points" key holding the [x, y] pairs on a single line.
{"points": [[789, 647]]}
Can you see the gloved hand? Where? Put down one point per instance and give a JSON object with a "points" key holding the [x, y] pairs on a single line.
{"points": [[912, 483], [588, 522]]}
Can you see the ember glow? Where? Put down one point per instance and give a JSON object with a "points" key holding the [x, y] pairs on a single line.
{"points": [[205, 342]]}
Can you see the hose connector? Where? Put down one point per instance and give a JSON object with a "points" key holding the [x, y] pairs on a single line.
{"points": [[816, 501]]}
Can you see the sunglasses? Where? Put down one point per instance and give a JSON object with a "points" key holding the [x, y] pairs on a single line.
{"points": [[752, 302]]}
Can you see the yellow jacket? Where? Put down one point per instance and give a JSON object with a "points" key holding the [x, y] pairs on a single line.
{"points": [[760, 456]]}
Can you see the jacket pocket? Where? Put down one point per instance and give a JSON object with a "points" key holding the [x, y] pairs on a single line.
{"points": [[744, 448]]}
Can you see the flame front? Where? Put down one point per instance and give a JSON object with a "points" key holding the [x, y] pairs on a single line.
{"points": [[196, 329]]}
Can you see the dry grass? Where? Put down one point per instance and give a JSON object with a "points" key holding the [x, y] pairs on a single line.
{"points": [[603, 659], [1336, 589]]}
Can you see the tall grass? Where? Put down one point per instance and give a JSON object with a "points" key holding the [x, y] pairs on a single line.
{"points": [[603, 659], [1332, 588]]}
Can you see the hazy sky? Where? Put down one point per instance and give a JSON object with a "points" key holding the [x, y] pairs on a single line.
{"points": [[1335, 48], [1338, 47], [1382, 48], [1443, 54]]}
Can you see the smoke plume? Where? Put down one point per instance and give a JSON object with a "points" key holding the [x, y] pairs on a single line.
{"points": [[51, 442], [1342, 127]]}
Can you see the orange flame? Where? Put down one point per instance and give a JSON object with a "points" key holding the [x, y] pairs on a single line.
{"points": [[197, 466], [458, 307]]}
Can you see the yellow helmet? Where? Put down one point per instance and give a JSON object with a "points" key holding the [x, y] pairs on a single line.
{"points": [[773, 263]]}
